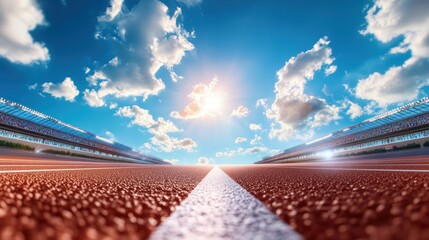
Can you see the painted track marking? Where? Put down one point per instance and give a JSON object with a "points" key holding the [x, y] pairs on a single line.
{"points": [[219, 208], [364, 169], [59, 169]]}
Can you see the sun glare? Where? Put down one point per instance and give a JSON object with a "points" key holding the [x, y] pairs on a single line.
{"points": [[212, 103]]}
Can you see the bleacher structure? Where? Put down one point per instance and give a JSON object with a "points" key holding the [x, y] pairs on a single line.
{"points": [[406, 124], [23, 125]]}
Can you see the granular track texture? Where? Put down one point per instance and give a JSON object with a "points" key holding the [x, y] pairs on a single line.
{"points": [[122, 203], [336, 204]]}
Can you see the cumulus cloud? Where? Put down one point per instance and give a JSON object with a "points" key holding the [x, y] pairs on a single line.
{"points": [[140, 116], [159, 128], [255, 127], [293, 110], [230, 153], [203, 161], [95, 77], [146, 39], [201, 97], [240, 111], [255, 140], [241, 151], [354, 110], [387, 20], [330, 70], [398, 84], [262, 103], [191, 3], [17, 19], [65, 89], [113, 105], [92, 98], [112, 11], [254, 150], [240, 140], [174, 77]]}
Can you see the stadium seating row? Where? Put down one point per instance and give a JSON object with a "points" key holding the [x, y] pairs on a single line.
{"points": [[402, 125]]}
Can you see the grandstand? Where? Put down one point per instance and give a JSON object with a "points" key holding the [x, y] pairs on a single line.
{"points": [[390, 130], [19, 124]]}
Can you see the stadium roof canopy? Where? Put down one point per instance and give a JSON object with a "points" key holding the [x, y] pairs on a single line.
{"points": [[25, 113], [410, 110]]}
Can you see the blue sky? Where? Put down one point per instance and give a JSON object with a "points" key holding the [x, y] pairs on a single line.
{"points": [[221, 81]]}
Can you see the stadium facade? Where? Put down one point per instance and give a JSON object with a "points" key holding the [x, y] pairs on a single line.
{"points": [[19, 124], [390, 130]]}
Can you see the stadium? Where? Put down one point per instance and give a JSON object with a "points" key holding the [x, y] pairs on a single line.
{"points": [[22, 125], [291, 120], [401, 128]]}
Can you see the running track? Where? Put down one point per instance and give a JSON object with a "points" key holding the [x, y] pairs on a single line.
{"points": [[362, 199]]}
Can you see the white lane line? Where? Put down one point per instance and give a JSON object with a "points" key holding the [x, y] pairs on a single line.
{"points": [[35, 161], [59, 169], [365, 169], [40, 165], [219, 208], [387, 164]]}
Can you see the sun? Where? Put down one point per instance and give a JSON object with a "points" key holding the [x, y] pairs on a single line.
{"points": [[212, 103]]}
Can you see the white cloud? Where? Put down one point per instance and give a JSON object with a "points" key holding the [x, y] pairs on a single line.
{"points": [[92, 98], [110, 136], [262, 102], [95, 77], [241, 151], [325, 90], [240, 111], [203, 161], [140, 116], [348, 89], [199, 106], [33, 86], [240, 140], [293, 110], [159, 128], [387, 20], [354, 110], [147, 39], [174, 77], [330, 70], [148, 146], [191, 3], [17, 19], [112, 11], [397, 85], [114, 61], [255, 140], [66, 89], [255, 127], [254, 150], [229, 153], [167, 144], [113, 105]]}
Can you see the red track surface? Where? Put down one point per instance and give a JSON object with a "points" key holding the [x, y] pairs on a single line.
{"points": [[344, 204], [365, 199], [125, 201]]}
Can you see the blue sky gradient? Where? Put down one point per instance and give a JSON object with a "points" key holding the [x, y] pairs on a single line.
{"points": [[236, 46]]}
